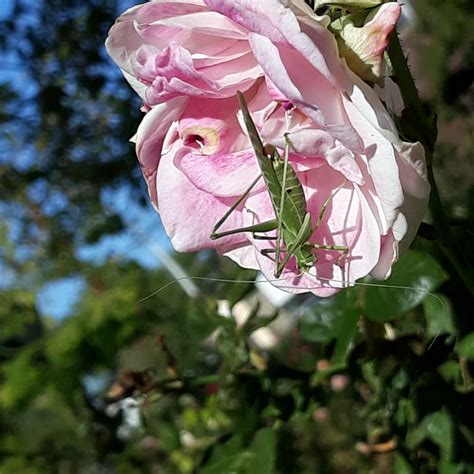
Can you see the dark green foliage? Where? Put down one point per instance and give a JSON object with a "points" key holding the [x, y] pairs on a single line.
{"points": [[375, 379]]}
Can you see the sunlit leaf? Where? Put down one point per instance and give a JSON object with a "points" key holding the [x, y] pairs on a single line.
{"points": [[262, 452], [438, 428], [439, 315], [466, 347], [414, 276], [401, 465], [325, 320], [226, 457]]}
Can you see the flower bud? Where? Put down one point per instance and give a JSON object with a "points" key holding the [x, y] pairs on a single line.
{"points": [[363, 47]]}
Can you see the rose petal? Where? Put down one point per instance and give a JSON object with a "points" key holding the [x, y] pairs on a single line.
{"points": [[151, 136], [269, 18], [222, 175], [189, 214]]}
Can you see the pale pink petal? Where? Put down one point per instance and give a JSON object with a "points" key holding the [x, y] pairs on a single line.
{"points": [[391, 95], [366, 101], [124, 37], [306, 88], [221, 175], [413, 173], [204, 57], [381, 158], [271, 19], [275, 94], [400, 227], [174, 65], [158, 9], [342, 159], [370, 195], [242, 70], [313, 142], [347, 221], [244, 256], [254, 16], [215, 124], [388, 256], [268, 56], [413, 176], [189, 214], [121, 43], [150, 137], [207, 22], [307, 142]]}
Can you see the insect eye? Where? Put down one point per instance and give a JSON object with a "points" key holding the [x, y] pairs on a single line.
{"points": [[268, 150]]}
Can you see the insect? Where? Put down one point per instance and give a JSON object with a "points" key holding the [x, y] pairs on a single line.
{"points": [[292, 219]]}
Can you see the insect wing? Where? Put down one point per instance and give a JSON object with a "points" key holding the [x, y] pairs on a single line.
{"points": [[294, 210]]}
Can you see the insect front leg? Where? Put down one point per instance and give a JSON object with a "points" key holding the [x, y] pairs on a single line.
{"points": [[264, 237], [339, 248], [300, 239], [262, 227], [259, 236], [326, 204], [214, 234], [282, 203], [344, 249]]}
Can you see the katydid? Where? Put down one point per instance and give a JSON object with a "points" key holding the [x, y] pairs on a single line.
{"points": [[292, 219]]}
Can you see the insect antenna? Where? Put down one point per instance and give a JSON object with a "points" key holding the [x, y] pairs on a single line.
{"points": [[346, 284]]}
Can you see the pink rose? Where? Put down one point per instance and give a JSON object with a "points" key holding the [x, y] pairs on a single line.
{"points": [[197, 158], [169, 48]]}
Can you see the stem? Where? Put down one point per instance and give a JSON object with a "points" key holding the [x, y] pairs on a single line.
{"points": [[425, 132], [443, 232], [406, 83]]}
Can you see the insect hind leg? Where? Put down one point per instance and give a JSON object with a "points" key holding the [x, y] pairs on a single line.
{"points": [[344, 249], [264, 237]]}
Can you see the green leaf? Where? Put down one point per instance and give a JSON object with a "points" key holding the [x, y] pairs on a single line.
{"points": [[185, 333], [438, 428], [345, 331], [414, 276], [400, 465], [323, 323], [466, 347], [144, 355], [230, 465], [439, 315], [227, 457], [21, 379], [262, 452], [450, 371], [406, 413], [445, 467], [336, 319]]}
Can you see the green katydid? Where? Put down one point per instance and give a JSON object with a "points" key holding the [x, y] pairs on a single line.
{"points": [[292, 219]]}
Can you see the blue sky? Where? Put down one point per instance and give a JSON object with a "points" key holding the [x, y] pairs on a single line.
{"points": [[57, 298], [5, 9], [10, 69]]}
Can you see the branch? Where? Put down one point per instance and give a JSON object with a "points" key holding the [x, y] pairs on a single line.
{"points": [[422, 127]]}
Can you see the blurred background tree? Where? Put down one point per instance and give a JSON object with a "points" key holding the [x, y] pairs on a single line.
{"points": [[96, 377]]}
